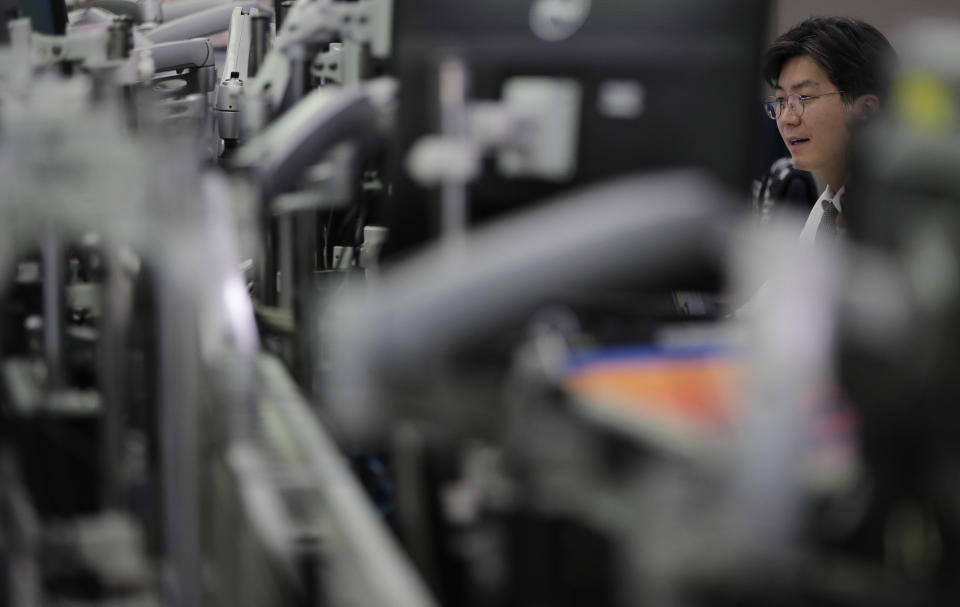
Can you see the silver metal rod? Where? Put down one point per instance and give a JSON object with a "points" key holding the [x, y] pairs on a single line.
{"points": [[361, 543], [178, 436], [202, 23], [184, 8], [453, 123], [285, 246], [259, 43], [113, 326], [52, 253]]}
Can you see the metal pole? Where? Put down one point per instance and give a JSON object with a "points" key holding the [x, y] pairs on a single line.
{"points": [[111, 345], [52, 253], [259, 42], [178, 437], [453, 123]]}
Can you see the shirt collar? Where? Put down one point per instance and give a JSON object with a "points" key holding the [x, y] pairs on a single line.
{"points": [[834, 197]]}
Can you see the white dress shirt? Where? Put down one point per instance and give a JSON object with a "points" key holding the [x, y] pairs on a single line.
{"points": [[807, 237]]}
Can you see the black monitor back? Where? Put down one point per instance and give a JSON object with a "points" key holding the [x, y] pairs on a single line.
{"points": [[697, 62], [46, 16]]}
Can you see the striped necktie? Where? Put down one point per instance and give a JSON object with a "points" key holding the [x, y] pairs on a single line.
{"points": [[827, 230]]}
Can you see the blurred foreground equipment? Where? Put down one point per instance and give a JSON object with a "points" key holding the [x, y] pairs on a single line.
{"points": [[213, 392], [151, 454]]}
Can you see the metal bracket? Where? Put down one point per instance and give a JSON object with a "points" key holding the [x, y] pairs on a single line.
{"points": [[533, 130]]}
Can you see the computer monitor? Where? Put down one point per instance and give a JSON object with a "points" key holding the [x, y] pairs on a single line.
{"points": [[46, 16], [695, 62]]}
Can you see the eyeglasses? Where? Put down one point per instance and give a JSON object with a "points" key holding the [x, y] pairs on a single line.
{"points": [[796, 103]]}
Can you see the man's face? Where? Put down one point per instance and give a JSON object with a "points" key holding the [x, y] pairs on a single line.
{"points": [[818, 139]]}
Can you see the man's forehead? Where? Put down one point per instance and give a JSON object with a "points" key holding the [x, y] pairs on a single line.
{"points": [[801, 73], [806, 83]]}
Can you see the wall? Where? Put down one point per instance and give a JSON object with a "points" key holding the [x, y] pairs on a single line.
{"points": [[889, 16]]}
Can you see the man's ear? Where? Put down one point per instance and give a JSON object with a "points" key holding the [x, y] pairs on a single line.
{"points": [[865, 106]]}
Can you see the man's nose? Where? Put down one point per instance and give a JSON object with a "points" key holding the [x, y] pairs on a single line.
{"points": [[788, 116]]}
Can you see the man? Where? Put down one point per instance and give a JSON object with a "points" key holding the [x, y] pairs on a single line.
{"points": [[828, 74]]}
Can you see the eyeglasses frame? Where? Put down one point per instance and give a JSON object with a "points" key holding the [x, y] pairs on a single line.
{"points": [[784, 103]]}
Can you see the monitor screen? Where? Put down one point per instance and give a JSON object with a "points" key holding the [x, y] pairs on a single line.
{"points": [[693, 64], [46, 16]]}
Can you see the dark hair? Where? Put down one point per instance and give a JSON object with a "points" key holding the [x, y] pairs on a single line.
{"points": [[857, 58]]}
